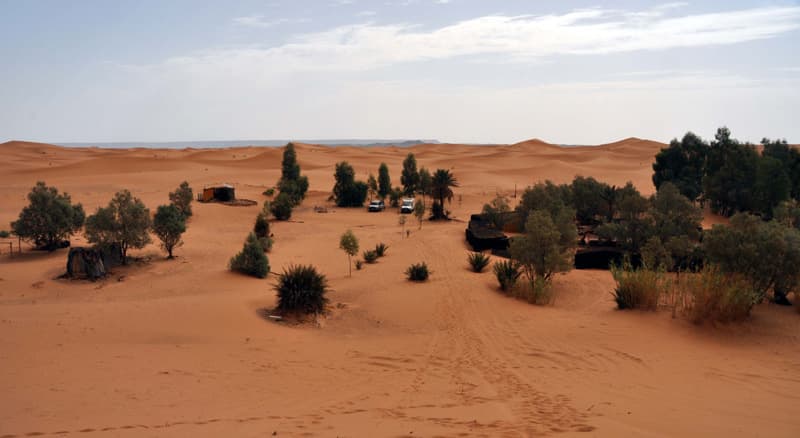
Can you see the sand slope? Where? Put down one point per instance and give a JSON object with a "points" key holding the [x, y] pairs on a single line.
{"points": [[177, 348]]}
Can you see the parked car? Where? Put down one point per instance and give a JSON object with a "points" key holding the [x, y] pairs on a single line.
{"points": [[407, 206], [376, 205]]}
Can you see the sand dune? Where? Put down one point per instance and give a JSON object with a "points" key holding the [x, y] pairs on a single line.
{"points": [[177, 348]]}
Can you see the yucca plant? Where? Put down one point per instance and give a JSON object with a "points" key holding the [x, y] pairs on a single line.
{"points": [[507, 273], [478, 261], [380, 249], [370, 256], [301, 289], [418, 272]]}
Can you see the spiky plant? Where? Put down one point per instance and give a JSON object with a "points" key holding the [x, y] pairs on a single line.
{"points": [[380, 249], [301, 289], [507, 273], [418, 272], [478, 261], [370, 256]]}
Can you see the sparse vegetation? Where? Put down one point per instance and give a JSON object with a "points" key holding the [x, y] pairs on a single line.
{"points": [[640, 288], [169, 224], [349, 244], [380, 249], [124, 222], [269, 192], [719, 297], [418, 272], [507, 273], [4, 234], [301, 289], [370, 256], [497, 211], [478, 261], [182, 199], [49, 218], [251, 260], [359, 264], [419, 213]]}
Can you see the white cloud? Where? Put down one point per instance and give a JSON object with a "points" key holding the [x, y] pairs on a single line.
{"points": [[261, 21], [366, 14]]}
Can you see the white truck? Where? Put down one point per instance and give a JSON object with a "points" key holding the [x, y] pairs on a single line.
{"points": [[407, 206]]}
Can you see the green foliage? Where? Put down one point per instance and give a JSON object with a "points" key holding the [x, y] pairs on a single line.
{"points": [[788, 213], [546, 247], [394, 197], [266, 243], [169, 224], [419, 212], [301, 289], [772, 186], [347, 191], [124, 222], [587, 197], [674, 215], [718, 297], [372, 185], [261, 227], [359, 265], [384, 182], [766, 254], [370, 256], [478, 261], [409, 177], [442, 185], [497, 211], [731, 169], [418, 272], [633, 226], [682, 164], [789, 157], [281, 208], [380, 249], [349, 244], [655, 255], [251, 260], [49, 218], [182, 199], [543, 196], [291, 182], [425, 185], [269, 192], [507, 273], [4, 234], [638, 288]]}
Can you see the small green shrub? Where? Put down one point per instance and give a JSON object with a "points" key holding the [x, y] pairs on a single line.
{"points": [[4, 234], [418, 272], [251, 260], [301, 289], [269, 192], [478, 261], [380, 249], [507, 273], [281, 208], [359, 265], [719, 297], [261, 227], [637, 288], [370, 256], [266, 243]]}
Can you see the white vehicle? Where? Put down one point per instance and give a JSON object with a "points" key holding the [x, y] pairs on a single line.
{"points": [[407, 206]]}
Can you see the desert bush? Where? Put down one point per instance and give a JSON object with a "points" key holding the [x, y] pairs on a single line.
{"points": [[380, 249], [478, 261], [124, 222], [359, 264], [497, 211], [270, 192], [301, 289], [507, 273], [4, 234], [49, 218], [266, 243], [281, 208], [370, 256], [169, 224], [637, 288], [538, 292], [182, 198], [718, 297], [261, 227], [349, 244], [418, 272], [251, 260]]}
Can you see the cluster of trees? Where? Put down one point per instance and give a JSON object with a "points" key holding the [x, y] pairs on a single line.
{"points": [[347, 191], [292, 186], [729, 175], [50, 218], [252, 259]]}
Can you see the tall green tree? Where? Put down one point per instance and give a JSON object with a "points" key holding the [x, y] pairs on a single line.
{"points": [[409, 177], [789, 157], [543, 196], [442, 185], [347, 191], [730, 174], [682, 163], [49, 218], [545, 248], [425, 184], [182, 198], [291, 182], [384, 182], [169, 224], [124, 222]]}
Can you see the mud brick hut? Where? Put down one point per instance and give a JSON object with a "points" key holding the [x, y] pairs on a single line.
{"points": [[220, 193]]}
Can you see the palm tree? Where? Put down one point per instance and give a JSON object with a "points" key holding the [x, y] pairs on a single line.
{"points": [[441, 188]]}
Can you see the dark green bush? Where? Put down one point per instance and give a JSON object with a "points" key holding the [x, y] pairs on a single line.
{"points": [[49, 219], [507, 273], [251, 260], [281, 208], [301, 289], [347, 191], [266, 243], [269, 192], [380, 249], [182, 199], [261, 227], [418, 272], [4, 234], [478, 261], [359, 265], [370, 256]]}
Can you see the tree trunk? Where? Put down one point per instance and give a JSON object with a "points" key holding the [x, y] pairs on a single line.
{"points": [[349, 266]]}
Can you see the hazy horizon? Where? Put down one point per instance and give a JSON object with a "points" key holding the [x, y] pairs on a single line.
{"points": [[461, 71]]}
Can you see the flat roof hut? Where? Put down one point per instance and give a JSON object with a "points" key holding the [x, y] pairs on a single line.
{"points": [[221, 193]]}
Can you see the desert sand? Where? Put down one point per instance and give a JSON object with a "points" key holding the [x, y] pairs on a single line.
{"points": [[179, 347]]}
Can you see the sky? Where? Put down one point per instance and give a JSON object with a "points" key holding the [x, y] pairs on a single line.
{"points": [[473, 71]]}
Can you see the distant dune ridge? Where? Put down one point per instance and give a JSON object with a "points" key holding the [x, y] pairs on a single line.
{"points": [[181, 348]]}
